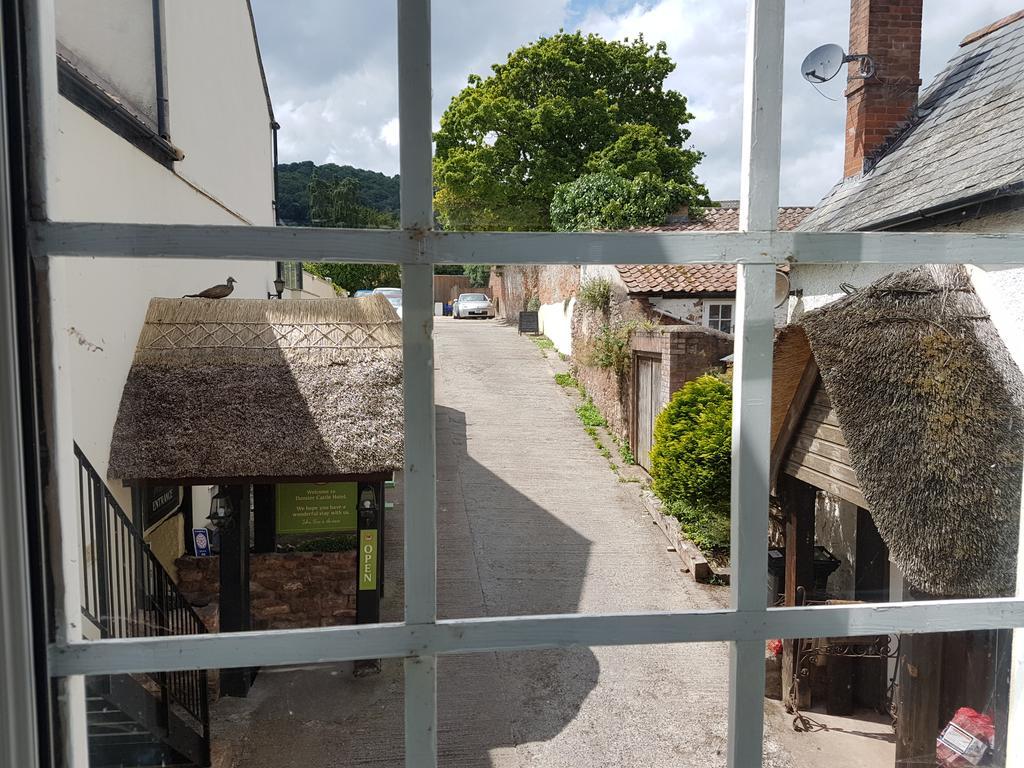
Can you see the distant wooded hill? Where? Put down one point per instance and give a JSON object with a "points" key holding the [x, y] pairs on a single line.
{"points": [[376, 190]]}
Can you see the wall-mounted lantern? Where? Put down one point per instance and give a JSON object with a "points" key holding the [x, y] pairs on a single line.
{"points": [[222, 511], [279, 287]]}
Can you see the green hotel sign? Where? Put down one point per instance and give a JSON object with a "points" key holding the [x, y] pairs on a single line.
{"points": [[368, 559], [316, 507]]}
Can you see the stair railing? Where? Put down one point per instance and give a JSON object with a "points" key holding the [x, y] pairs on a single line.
{"points": [[126, 592]]}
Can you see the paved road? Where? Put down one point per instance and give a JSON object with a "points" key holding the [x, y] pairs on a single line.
{"points": [[531, 520]]}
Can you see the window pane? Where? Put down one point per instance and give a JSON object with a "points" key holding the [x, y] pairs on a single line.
{"points": [[206, 443], [923, 699], [302, 716], [657, 705], [544, 450]]}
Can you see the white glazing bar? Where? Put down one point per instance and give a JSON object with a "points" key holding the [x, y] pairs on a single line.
{"points": [[402, 247], [751, 427], [517, 633], [420, 477], [1015, 719], [759, 202], [17, 685], [42, 102]]}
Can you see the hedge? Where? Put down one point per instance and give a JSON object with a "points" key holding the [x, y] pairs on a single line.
{"points": [[691, 460]]}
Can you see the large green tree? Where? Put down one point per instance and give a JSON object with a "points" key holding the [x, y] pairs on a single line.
{"points": [[557, 109], [336, 203]]}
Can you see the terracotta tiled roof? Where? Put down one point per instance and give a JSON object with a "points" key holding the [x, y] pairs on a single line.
{"points": [[697, 278], [678, 278], [728, 220]]}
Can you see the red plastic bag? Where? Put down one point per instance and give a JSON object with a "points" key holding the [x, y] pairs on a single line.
{"points": [[965, 741]]}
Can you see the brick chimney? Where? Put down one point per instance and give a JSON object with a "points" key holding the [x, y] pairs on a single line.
{"points": [[889, 31]]}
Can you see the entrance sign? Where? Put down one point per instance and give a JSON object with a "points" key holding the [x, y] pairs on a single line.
{"points": [[368, 559], [158, 502], [316, 507]]}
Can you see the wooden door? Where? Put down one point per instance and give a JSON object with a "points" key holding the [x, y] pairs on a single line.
{"points": [[649, 402]]}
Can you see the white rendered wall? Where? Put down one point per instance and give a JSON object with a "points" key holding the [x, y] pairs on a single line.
{"points": [[218, 109], [113, 42], [313, 287], [556, 323], [691, 310]]}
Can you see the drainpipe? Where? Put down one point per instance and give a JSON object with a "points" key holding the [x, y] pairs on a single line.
{"points": [[275, 127], [162, 118]]}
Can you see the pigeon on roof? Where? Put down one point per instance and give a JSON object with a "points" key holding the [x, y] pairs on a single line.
{"points": [[215, 291]]}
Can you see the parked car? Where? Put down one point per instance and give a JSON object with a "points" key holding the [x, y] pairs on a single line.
{"points": [[362, 292], [394, 295], [472, 305]]}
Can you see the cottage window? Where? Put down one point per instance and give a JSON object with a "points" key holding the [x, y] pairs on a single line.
{"points": [[29, 491], [718, 315]]}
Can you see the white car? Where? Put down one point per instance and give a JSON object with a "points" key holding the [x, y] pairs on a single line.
{"points": [[394, 295], [472, 305]]}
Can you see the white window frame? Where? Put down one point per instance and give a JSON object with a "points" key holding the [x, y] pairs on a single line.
{"points": [[757, 250], [709, 303]]}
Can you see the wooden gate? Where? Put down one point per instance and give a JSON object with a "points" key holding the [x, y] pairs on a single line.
{"points": [[648, 402]]}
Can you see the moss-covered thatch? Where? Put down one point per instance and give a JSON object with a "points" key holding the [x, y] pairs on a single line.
{"points": [[932, 410], [244, 388]]}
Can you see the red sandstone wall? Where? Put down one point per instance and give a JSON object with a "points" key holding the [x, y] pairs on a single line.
{"points": [[288, 590]]}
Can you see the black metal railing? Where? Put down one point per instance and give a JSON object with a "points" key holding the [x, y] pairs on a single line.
{"points": [[126, 592]]}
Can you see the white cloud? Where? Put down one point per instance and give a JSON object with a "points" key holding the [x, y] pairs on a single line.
{"points": [[332, 71], [389, 132]]}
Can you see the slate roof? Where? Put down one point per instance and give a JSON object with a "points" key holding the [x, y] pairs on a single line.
{"points": [[965, 139], [697, 279]]}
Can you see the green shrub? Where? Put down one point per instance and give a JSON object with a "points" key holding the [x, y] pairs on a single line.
{"points": [[609, 348], [595, 294], [533, 304], [589, 415], [691, 460]]}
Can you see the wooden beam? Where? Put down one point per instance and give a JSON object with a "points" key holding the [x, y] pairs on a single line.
{"points": [[843, 490], [235, 608], [919, 691], [794, 416], [798, 499]]}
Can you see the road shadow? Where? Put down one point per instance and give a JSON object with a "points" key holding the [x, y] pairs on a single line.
{"points": [[500, 553]]}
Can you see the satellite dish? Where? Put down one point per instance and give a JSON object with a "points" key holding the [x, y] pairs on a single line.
{"points": [[781, 288], [823, 63]]}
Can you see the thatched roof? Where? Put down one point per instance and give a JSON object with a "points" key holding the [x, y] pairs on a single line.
{"points": [[247, 388], [931, 407]]}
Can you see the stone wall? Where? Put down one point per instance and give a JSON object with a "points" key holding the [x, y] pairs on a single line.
{"points": [[288, 590], [514, 285]]}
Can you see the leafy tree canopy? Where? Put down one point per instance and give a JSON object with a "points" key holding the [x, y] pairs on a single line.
{"points": [[479, 274], [336, 204], [559, 108], [375, 191], [606, 200]]}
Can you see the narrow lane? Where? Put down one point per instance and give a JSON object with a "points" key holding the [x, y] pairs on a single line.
{"points": [[531, 521]]}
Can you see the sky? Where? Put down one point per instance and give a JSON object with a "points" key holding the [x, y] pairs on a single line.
{"points": [[332, 70]]}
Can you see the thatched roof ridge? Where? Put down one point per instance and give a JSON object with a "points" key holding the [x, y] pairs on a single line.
{"points": [[931, 405], [248, 388]]}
